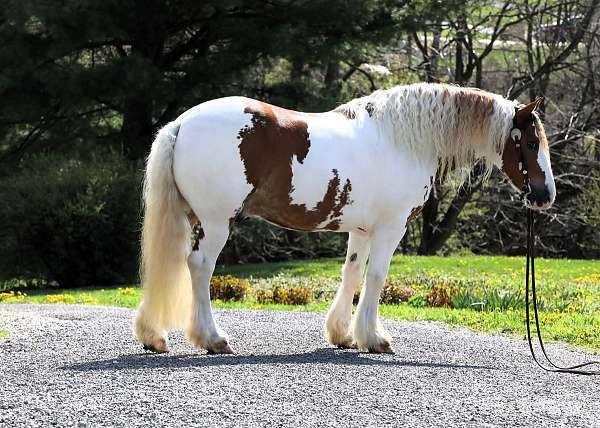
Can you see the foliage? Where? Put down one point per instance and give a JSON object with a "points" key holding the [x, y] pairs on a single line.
{"points": [[263, 296], [396, 291], [228, 287], [12, 296], [125, 70], [569, 294], [71, 221], [14, 284], [253, 240], [290, 295], [440, 295]]}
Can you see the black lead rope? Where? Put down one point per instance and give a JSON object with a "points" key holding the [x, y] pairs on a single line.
{"points": [[550, 367]]}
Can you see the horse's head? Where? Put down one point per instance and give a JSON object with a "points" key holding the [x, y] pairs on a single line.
{"points": [[526, 158]]}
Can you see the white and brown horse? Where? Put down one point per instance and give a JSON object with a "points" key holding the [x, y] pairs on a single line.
{"points": [[364, 168]]}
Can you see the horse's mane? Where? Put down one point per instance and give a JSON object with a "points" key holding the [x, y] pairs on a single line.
{"points": [[450, 124]]}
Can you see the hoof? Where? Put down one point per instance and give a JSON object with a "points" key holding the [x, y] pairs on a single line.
{"points": [[160, 346], [220, 348], [349, 344], [383, 348]]}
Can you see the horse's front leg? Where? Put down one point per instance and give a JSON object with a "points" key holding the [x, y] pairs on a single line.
{"points": [[337, 325], [368, 332]]}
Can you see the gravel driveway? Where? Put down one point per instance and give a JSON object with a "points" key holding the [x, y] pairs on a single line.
{"points": [[80, 366]]}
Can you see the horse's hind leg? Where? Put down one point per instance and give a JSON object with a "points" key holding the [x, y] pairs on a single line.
{"points": [[203, 331], [337, 324]]}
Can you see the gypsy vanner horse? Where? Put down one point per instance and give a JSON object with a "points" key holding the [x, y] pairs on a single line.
{"points": [[365, 168]]}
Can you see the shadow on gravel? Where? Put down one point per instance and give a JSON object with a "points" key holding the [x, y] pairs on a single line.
{"points": [[319, 356]]}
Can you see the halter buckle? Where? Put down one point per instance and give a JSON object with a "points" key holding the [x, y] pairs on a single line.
{"points": [[515, 134]]}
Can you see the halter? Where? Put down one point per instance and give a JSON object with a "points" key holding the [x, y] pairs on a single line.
{"points": [[515, 136]]}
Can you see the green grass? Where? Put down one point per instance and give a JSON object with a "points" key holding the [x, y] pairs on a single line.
{"points": [[570, 290], [3, 333], [491, 267]]}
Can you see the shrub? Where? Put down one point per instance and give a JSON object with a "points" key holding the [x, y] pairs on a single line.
{"points": [[253, 240], [279, 294], [228, 288], [418, 301], [13, 284], [441, 294], [292, 295], [71, 221], [263, 296], [298, 296], [395, 291]]}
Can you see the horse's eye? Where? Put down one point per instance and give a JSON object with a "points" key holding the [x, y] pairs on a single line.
{"points": [[533, 145]]}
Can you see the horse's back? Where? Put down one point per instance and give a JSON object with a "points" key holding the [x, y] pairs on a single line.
{"points": [[306, 171]]}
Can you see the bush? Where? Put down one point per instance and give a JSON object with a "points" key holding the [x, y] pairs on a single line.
{"points": [[293, 295], [263, 296], [298, 296], [228, 288], [396, 291], [14, 284], [71, 221], [253, 240], [441, 294]]}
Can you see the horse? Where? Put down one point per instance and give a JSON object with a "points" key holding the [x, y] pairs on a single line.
{"points": [[365, 168]]}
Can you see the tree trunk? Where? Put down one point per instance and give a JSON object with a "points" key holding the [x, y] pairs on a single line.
{"points": [[435, 234], [137, 130]]}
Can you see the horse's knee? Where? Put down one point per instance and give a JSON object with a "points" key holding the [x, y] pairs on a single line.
{"points": [[376, 278]]}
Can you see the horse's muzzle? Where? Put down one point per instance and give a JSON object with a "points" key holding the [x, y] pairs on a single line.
{"points": [[539, 198]]}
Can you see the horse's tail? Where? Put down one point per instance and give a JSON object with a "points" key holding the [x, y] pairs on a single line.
{"points": [[166, 281]]}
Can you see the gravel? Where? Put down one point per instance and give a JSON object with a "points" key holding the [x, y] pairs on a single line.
{"points": [[80, 366]]}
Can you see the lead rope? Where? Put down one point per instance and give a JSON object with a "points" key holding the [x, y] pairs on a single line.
{"points": [[515, 135], [576, 369]]}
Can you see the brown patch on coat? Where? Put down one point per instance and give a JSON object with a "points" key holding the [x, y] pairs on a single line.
{"points": [[353, 257], [414, 213], [348, 113], [267, 149], [528, 125]]}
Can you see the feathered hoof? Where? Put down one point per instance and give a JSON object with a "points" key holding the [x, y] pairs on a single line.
{"points": [[151, 339], [382, 348], [347, 344], [159, 346], [221, 347]]}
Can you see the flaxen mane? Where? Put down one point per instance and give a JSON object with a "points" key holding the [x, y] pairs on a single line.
{"points": [[450, 124]]}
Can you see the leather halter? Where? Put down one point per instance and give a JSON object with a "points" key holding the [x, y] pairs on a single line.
{"points": [[516, 135]]}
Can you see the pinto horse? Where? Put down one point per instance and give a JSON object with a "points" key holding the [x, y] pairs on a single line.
{"points": [[365, 168]]}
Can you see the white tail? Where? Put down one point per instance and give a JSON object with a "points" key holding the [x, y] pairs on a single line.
{"points": [[166, 281]]}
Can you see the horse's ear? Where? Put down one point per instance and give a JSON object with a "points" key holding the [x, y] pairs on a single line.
{"points": [[523, 115]]}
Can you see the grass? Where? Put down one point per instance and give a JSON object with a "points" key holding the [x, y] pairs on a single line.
{"points": [[490, 267], [3, 333], [569, 289]]}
